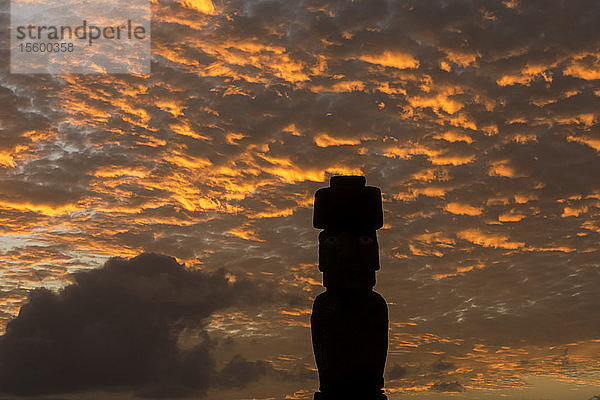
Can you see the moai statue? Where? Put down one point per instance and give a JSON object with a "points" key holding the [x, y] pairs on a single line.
{"points": [[349, 321]]}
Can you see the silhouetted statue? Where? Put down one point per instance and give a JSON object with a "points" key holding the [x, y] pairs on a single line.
{"points": [[349, 321]]}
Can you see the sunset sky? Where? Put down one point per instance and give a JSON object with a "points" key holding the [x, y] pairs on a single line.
{"points": [[479, 120]]}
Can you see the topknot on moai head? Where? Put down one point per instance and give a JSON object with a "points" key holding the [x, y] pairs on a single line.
{"points": [[348, 204]]}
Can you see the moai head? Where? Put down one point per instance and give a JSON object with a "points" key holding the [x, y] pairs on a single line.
{"points": [[350, 213]]}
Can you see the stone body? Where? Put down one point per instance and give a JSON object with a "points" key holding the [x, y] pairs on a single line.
{"points": [[349, 322]]}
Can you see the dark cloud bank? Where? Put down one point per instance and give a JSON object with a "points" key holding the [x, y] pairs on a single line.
{"points": [[116, 328]]}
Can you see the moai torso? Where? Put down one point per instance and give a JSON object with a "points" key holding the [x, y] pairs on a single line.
{"points": [[349, 321]]}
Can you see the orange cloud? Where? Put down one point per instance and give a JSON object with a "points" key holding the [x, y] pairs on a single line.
{"points": [[489, 240], [592, 142], [324, 140], [461, 59], [246, 233], [465, 209], [183, 128], [40, 208], [339, 87], [204, 6], [437, 102], [526, 75], [392, 59], [502, 168], [6, 159], [574, 211], [437, 157], [413, 193], [454, 136], [511, 216], [579, 70]]}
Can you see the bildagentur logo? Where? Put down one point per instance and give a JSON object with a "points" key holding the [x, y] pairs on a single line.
{"points": [[58, 36], [84, 31]]}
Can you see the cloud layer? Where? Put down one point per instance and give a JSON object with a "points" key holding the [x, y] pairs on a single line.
{"points": [[478, 120]]}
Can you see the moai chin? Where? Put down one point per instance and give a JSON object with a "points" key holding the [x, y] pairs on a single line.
{"points": [[349, 321]]}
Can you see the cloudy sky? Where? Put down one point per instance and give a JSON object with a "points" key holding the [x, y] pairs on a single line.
{"points": [[478, 119]]}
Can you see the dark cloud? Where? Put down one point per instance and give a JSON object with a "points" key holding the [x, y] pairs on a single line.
{"points": [[442, 366], [116, 328], [447, 387], [239, 372], [395, 371]]}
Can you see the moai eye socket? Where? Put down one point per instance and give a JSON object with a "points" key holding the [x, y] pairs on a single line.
{"points": [[365, 240], [331, 241]]}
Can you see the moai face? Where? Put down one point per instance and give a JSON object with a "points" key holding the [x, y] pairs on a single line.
{"points": [[348, 258]]}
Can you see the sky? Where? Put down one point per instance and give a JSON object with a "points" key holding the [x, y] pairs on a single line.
{"points": [[478, 120]]}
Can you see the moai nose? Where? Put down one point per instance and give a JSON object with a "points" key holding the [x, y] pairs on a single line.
{"points": [[346, 258], [349, 251]]}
